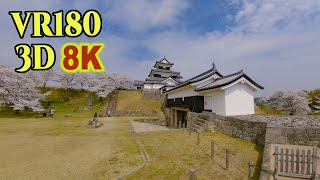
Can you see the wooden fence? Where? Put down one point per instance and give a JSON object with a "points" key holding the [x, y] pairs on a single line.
{"points": [[296, 163], [226, 158]]}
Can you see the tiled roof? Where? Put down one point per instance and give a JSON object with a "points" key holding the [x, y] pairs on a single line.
{"points": [[155, 78], [226, 80], [163, 59], [154, 82], [163, 64], [164, 70], [199, 77]]}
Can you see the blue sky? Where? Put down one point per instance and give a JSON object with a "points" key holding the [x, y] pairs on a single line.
{"points": [[276, 42]]}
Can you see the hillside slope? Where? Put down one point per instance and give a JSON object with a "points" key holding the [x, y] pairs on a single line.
{"points": [[62, 100], [132, 103]]}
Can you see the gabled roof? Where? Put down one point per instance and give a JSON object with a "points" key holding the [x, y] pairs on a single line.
{"points": [[154, 82], [226, 80], [199, 77], [155, 78], [175, 80], [164, 71], [163, 61]]}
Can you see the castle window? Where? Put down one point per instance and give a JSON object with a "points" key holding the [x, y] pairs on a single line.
{"points": [[157, 75]]}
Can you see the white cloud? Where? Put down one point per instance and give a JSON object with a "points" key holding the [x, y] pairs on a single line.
{"points": [[274, 41], [139, 15], [267, 15]]}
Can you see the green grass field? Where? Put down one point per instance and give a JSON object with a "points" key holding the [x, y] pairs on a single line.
{"points": [[66, 148], [133, 100], [173, 153]]}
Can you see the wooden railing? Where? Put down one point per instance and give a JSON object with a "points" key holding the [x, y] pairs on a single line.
{"points": [[296, 163]]}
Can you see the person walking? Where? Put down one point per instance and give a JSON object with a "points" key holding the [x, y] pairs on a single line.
{"points": [[95, 119], [51, 113]]}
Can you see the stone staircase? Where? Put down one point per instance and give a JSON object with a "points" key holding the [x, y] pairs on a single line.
{"points": [[197, 124], [111, 104]]}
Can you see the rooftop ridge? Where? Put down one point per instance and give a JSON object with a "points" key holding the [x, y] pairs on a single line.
{"points": [[238, 72]]}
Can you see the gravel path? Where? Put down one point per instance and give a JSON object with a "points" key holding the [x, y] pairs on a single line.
{"points": [[145, 127]]}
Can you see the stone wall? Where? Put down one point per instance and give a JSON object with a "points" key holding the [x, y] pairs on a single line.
{"points": [[244, 129], [267, 130], [138, 113], [261, 129], [293, 135], [302, 121]]}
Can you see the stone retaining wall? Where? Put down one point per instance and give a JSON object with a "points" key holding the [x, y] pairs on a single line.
{"points": [[248, 130], [293, 135], [303, 121], [137, 113], [266, 130], [261, 129]]}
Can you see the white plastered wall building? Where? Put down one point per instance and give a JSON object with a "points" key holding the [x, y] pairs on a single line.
{"points": [[211, 91]]}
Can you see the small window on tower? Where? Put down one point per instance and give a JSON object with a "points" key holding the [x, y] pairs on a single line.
{"points": [[164, 90], [167, 68], [157, 75]]}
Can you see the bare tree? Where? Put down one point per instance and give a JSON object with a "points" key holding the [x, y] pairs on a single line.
{"points": [[290, 102]]}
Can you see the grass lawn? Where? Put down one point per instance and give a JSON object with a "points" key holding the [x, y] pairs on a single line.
{"points": [[173, 153], [133, 100], [267, 110], [64, 148]]}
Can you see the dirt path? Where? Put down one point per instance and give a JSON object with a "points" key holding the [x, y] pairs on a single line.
{"points": [[145, 127]]}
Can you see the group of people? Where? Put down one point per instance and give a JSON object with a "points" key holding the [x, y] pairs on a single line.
{"points": [[95, 115]]}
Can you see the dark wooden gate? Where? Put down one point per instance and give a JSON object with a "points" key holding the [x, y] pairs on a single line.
{"points": [[296, 163]]}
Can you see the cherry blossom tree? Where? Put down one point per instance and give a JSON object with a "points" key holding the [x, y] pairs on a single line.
{"points": [[290, 102], [103, 83], [82, 79], [18, 90], [41, 78], [66, 80], [123, 82]]}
